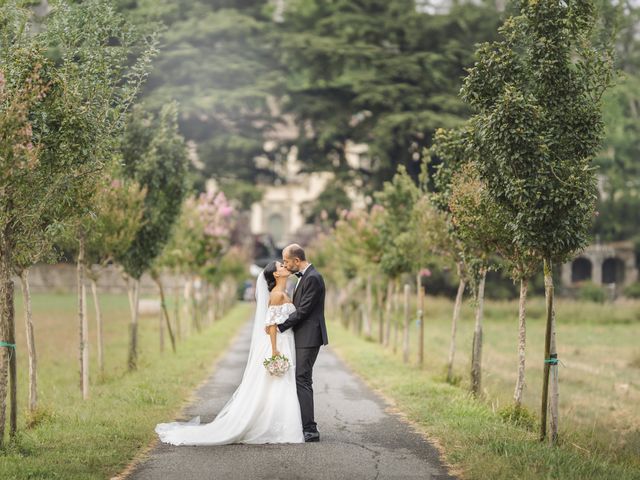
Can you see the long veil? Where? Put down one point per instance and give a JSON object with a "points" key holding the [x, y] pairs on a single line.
{"points": [[238, 413], [258, 335]]}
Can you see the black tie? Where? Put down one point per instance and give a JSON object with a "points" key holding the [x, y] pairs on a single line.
{"points": [[298, 274]]}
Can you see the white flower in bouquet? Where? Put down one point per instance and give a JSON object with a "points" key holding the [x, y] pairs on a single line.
{"points": [[277, 364]]}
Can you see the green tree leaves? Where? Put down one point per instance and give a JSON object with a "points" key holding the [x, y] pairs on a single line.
{"points": [[375, 72], [538, 124], [155, 156], [91, 61]]}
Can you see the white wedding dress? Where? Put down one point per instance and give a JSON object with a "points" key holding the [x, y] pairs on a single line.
{"points": [[264, 408]]}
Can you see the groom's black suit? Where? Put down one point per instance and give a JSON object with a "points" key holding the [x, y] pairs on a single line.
{"points": [[310, 332]]}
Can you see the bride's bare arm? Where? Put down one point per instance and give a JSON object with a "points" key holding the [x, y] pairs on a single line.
{"points": [[275, 298], [272, 333]]}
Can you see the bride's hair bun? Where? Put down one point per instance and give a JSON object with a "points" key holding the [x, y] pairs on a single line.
{"points": [[269, 270]]}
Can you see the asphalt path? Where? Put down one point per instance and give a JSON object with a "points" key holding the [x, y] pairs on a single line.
{"points": [[360, 436]]}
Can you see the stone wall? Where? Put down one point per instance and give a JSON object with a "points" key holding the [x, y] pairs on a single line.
{"points": [[62, 278]]}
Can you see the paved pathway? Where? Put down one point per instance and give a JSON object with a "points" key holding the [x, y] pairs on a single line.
{"points": [[358, 439]]}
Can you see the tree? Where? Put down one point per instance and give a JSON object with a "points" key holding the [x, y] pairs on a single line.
{"points": [[479, 225], [202, 238], [327, 207], [425, 243], [109, 232], [19, 158], [97, 238], [232, 267], [449, 153], [338, 275], [84, 58], [619, 200], [375, 72], [455, 151], [521, 264], [359, 248], [537, 96], [217, 61], [619, 204], [397, 199], [154, 155]]}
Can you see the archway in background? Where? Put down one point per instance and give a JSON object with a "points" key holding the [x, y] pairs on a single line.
{"points": [[581, 270], [613, 271]]}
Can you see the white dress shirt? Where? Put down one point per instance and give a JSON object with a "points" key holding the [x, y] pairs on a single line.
{"points": [[300, 278]]}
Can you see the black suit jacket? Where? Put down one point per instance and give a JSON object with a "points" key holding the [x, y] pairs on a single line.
{"points": [[307, 322]]}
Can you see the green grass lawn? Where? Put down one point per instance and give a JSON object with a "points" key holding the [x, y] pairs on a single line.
{"points": [[97, 438], [599, 346]]}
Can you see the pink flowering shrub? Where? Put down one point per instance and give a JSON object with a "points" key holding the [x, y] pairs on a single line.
{"points": [[203, 234]]}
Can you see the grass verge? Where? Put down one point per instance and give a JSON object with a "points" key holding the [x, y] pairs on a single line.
{"points": [[97, 438], [477, 440]]}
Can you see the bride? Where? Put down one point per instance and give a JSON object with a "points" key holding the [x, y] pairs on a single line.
{"points": [[264, 408]]}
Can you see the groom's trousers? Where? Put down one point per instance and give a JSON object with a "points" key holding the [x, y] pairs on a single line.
{"points": [[305, 358]]}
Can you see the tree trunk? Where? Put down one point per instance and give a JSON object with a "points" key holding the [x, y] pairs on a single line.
{"points": [[522, 338], [134, 296], [211, 314], [389, 312], [633, 108], [380, 308], [550, 361], [231, 296], [222, 306], [99, 336], [176, 311], [83, 326], [163, 305], [396, 307], [206, 304], [13, 374], [214, 303], [476, 357], [224, 301], [31, 342], [161, 328], [186, 307], [555, 394], [13, 364], [160, 325], [368, 320], [7, 345], [420, 320], [454, 325], [195, 303], [405, 330], [344, 314]]}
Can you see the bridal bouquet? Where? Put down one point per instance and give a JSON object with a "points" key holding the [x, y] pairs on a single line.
{"points": [[276, 364]]}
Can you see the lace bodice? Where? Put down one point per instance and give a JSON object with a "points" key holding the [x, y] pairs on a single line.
{"points": [[279, 313]]}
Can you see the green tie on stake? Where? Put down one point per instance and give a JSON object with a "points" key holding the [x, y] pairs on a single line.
{"points": [[10, 345]]}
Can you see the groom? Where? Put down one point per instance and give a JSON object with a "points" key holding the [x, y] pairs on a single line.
{"points": [[309, 329]]}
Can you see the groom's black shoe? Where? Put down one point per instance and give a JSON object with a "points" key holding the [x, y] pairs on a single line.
{"points": [[311, 436]]}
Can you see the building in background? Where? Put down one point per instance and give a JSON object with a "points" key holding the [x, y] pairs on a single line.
{"points": [[613, 265], [280, 212]]}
